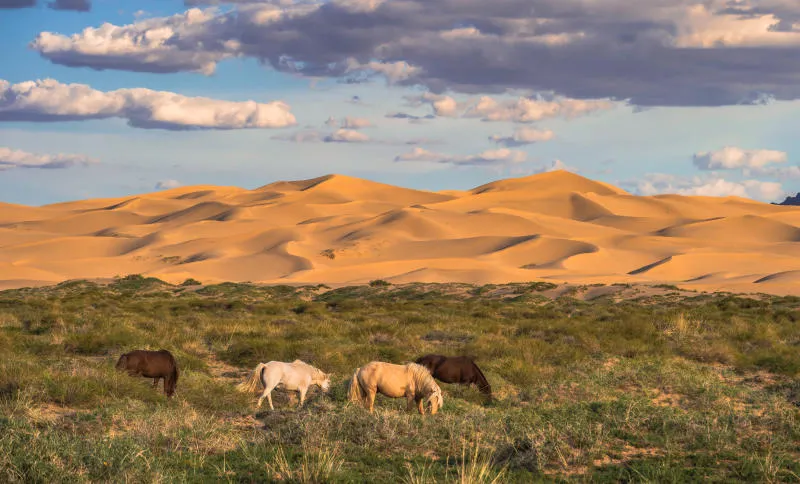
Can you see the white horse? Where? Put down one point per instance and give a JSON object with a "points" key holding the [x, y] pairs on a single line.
{"points": [[295, 376]]}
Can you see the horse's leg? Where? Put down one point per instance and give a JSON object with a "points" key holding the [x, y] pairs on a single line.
{"points": [[267, 393], [421, 406], [371, 400], [155, 383], [302, 392], [409, 401]]}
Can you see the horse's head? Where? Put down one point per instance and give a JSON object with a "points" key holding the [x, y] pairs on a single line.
{"points": [[122, 362], [324, 380], [435, 400]]}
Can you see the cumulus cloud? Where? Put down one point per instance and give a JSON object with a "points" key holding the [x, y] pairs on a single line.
{"points": [[730, 158], [349, 122], [22, 159], [167, 184], [356, 123], [394, 72], [307, 136], [346, 136], [314, 136], [556, 165], [709, 186], [523, 136], [442, 105], [49, 100], [487, 158], [412, 118], [784, 172], [148, 45], [520, 110], [651, 52]]}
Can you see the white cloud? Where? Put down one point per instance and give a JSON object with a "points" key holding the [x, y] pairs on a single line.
{"points": [[49, 100], [355, 123], [307, 136], [520, 110], [524, 136], [146, 45], [358, 6], [167, 184], [349, 123], [442, 105], [788, 172], [394, 72], [730, 157], [709, 186], [556, 165], [703, 27], [314, 136], [21, 159], [346, 136], [490, 157]]}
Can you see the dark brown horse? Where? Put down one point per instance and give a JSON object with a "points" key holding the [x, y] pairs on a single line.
{"points": [[151, 364], [456, 369]]}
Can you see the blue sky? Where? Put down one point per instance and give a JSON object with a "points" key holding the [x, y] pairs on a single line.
{"points": [[692, 135]]}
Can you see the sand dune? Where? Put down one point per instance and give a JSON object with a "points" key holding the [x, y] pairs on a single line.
{"points": [[335, 229]]}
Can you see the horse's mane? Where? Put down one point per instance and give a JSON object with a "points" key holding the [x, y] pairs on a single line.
{"points": [[422, 378], [313, 368]]}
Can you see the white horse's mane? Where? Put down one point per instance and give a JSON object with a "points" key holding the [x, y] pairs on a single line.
{"points": [[317, 372]]}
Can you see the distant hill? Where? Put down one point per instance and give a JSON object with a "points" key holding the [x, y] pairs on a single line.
{"points": [[795, 200], [334, 229]]}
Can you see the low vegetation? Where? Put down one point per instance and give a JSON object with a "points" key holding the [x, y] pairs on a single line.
{"points": [[590, 385]]}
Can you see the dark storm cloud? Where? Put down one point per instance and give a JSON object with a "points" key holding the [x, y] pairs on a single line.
{"points": [[76, 5], [651, 52]]}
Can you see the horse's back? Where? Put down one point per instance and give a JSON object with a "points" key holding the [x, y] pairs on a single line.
{"points": [[456, 369], [289, 374], [388, 378], [148, 363]]}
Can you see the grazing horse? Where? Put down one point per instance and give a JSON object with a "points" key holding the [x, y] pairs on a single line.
{"points": [[395, 381], [295, 376], [456, 369], [151, 364]]}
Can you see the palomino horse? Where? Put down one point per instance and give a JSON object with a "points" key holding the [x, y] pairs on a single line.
{"points": [[396, 381], [456, 369], [295, 376], [151, 364]]}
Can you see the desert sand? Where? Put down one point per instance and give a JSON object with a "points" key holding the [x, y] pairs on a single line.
{"points": [[556, 226]]}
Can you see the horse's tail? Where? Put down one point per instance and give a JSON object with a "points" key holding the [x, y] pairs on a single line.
{"points": [[483, 383], [356, 393], [251, 384], [172, 379]]}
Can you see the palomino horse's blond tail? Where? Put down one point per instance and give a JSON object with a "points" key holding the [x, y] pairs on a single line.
{"points": [[356, 393], [250, 385]]}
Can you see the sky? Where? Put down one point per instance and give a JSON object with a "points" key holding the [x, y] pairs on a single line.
{"points": [[105, 98]]}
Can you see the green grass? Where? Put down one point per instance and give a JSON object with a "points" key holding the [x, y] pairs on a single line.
{"points": [[671, 387]]}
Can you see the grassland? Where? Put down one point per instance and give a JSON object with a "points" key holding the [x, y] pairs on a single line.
{"points": [[658, 385]]}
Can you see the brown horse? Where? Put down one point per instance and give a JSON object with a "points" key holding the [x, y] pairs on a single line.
{"points": [[456, 369], [151, 364]]}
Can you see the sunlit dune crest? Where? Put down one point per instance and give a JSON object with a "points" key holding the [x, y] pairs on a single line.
{"points": [[335, 229]]}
